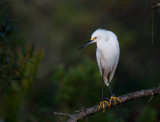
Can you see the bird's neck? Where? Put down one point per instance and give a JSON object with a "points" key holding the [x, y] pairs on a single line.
{"points": [[101, 45]]}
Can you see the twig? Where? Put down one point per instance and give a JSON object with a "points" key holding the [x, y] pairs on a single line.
{"points": [[92, 110], [62, 114]]}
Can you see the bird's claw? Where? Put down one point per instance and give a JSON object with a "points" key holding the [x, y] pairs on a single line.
{"points": [[114, 100], [102, 103]]}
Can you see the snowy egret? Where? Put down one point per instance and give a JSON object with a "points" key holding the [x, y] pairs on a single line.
{"points": [[107, 57]]}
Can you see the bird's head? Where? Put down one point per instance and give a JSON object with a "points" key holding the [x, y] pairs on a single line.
{"points": [[98, 35]]}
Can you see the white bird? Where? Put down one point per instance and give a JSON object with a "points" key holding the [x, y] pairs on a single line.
{"points": [[107, 57]]}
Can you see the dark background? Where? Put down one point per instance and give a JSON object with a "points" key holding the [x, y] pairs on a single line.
{"points": [[42, 71]]}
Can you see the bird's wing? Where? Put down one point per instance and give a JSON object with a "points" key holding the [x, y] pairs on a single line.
{"points": [[114, 68], [98, 55]]}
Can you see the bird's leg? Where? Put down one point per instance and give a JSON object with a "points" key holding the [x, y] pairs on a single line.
{"points": [[102, 103], [102, 89], [113, 97], [111, 90]]}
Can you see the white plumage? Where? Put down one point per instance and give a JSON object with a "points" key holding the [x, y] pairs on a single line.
{"points": [[107, 57], [107, 53]]}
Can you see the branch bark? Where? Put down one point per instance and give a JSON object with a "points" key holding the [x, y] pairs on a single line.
{"points": [[92, 110]]}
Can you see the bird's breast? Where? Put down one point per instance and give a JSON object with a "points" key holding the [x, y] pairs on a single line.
{"points": [[108, 55]]}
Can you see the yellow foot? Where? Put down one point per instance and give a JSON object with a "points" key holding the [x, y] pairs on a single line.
{"points": [[102, 103], [114, 100]]}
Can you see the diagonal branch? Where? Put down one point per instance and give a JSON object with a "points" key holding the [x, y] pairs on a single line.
{"points": [[92, 110]]}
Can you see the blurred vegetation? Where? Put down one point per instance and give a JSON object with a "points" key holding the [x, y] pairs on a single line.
{"points": [[41, 69], [18, 63]]}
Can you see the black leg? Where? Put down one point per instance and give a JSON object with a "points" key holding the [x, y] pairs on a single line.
{"points": [[102, 84], [103, 102], [110, 90], [113, 98], [102, 87]]}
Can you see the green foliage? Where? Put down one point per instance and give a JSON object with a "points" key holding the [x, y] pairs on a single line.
{"points": [[78, 83], [18, 66], [148, 114], [13, 55]]}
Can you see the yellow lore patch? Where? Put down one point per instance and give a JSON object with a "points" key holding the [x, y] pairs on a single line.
{"points": [[94, 38]]}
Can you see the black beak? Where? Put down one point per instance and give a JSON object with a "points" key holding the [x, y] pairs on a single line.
{"points": [[85, 44]]}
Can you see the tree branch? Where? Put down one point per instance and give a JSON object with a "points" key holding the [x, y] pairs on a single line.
{"points": [[62, 114], [92, 110]]}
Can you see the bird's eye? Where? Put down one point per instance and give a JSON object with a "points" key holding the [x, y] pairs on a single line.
{"points": [[94, 38]]}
